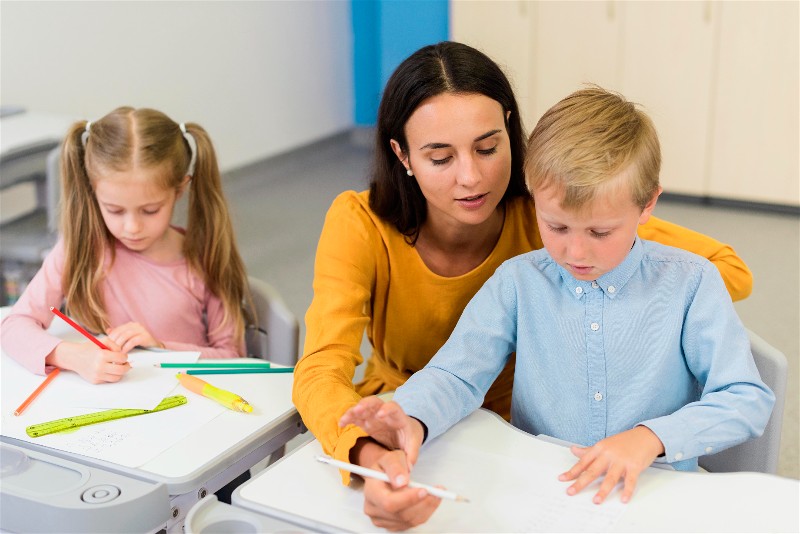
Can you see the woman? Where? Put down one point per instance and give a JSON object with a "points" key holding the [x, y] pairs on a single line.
{"points": [[447, 204]]}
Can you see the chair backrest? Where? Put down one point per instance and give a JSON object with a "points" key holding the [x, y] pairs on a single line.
{"points": [[760, 454], [275, 335], [53, 188]]}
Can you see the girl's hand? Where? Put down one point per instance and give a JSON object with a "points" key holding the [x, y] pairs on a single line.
{"points": [[392, 507], [620, 457], [92, 363], [387, 423], [130, 335]]}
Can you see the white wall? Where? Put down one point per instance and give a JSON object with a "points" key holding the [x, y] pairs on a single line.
{"points": [[262, 77]]}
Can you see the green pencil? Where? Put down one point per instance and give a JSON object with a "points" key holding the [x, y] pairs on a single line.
{"points": [[239, 371], [220, 365]]}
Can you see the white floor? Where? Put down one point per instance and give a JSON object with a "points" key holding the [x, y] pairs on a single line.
{"points": [[279, 206]]}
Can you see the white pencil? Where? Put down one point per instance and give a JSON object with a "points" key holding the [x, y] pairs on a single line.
{"points": [[371, 473]]}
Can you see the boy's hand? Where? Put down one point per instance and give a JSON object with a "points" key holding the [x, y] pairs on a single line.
{"points": [[619, 457], [387, 423], [130, 335]]}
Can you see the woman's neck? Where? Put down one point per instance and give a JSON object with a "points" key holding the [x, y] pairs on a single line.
{"points": [[453, 250]]}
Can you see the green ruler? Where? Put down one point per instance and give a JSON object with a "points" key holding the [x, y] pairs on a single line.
{"points": [[59, 425]]}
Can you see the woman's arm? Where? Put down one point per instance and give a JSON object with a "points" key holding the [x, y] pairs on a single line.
{"points": [[737, 277], [344, 276]]}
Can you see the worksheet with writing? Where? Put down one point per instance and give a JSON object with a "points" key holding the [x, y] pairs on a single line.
{"points": [[510, 479], [131, 441], [143, 387]]}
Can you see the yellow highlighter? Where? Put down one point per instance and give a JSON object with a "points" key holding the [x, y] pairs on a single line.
{"points": [[225, 398]]}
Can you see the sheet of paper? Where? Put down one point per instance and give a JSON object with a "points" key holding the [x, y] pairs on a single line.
{"points": [[535, 501], [144, 386], [132, 441], [510, 479]]}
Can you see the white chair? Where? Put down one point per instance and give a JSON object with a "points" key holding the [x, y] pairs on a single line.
{"points": [[274, 334], [761, 454]]}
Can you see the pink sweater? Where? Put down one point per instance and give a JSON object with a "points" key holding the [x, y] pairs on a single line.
{"points": [[169, 300]]}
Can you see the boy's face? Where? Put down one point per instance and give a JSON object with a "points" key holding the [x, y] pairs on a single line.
{"points": [[594, 240]]}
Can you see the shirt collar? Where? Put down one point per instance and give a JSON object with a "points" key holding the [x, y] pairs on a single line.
{"points": [[611, 282]]}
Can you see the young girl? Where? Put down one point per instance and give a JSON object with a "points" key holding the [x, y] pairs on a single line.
{"points": [[123, 269]]}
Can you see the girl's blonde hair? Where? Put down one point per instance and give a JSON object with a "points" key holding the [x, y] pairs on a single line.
{"points": [[130, 138], [590, 141]]}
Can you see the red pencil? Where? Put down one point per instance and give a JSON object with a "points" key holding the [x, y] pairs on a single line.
{"points": [[50, 377], [79, 328]]}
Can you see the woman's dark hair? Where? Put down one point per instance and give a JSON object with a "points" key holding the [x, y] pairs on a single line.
{"points": [[446, 67]]}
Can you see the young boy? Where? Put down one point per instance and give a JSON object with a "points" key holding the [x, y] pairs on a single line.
{"points": [[626, 347]]}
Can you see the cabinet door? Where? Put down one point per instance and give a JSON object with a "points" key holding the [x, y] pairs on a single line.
{"points": [[668, 68], [754, 154], [575, 43], [501, 30]]}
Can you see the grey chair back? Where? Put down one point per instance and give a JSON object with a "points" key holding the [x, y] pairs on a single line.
{"points": [[274, 335], [760, 454]]}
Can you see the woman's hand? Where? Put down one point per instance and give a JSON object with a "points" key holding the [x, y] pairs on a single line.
{"points": [[620, 457], [388, 424], [130, 335], [92, 363], [395, 506]]}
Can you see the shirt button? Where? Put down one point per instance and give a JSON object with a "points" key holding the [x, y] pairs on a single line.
{"points": [[611, 289], [708, 450], [578, 290], [598, 396], [678, 455], [595, 285], [594, 326]]}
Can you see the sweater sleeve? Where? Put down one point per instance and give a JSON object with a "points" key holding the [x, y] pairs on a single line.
{"points": [[735, 273], [24, 331], [344, 274]]}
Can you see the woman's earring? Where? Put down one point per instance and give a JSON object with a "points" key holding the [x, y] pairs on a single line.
{"points": [[409, 172]]}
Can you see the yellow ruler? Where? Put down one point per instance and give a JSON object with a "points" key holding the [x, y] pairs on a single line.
{"points": [[59, 425]]}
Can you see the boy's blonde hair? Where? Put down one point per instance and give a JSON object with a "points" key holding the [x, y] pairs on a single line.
{"points": [[588, 142], [129, 138]]}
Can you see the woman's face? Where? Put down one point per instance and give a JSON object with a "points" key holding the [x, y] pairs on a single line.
{"points": [[460, 153]]}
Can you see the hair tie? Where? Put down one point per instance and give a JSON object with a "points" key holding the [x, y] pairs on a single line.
{"points": [[85, 134], [192, 149]]}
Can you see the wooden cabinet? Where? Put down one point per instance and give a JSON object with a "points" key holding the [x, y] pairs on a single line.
{"points": [[575, 43], [667, 67], [720, 79], [502, 31], [754, 126]]}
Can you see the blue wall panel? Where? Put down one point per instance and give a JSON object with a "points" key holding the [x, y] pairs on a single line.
{"points": [[384, 33]]}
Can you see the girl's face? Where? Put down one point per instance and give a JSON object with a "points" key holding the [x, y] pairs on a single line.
{"points": [[137, 211], [460, 153]]}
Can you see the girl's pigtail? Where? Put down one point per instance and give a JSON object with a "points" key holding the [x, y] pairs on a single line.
{"points": [[210, 243], [83, 231]]}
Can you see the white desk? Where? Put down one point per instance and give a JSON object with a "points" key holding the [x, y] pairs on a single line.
{"points": [[199, 464], [489, 461]]}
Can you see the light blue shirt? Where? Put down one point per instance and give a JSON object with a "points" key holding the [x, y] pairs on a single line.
{"points": [[654, 342]]}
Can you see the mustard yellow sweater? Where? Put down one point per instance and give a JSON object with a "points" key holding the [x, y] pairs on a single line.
{"points": [[367, 278]]}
